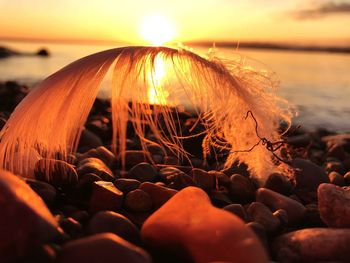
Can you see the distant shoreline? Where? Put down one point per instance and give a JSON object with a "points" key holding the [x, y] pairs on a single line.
{"points": [[271, 46]]}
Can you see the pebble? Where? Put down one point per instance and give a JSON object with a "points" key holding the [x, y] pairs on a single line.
{"points": [[275, 201], [127, 185], [260, 232], [168, 172], [86, 181], [308, 176], [282, 216], [279, 183], [220, 198], [89, 140], [111, 222], [143, 172], [95, 166], [71, 226], [183, 221], [138, 201], [334, 205], [336, 178], [203, 179], [25, 221], [263, 215], [313, 245], [56, 172], [347, 178], [221, 179], [106, 247], [133, 157], [335, 166], [46, 191], [241, 190], [238, 210], [105, 196], [101, 153], [179, 181], [159, 194]]}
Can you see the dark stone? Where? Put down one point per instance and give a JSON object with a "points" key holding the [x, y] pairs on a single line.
{"points": [[101, 153], [203, 179], [95, 166], [43, 52], [133, 157], [111, 222], [180, 181], [138, 201], [242, 190], [143, 172], [282, 216], [336, 178], [159, 194], [238, 210], [89, 140], [335, 166], [279, 183], [71, 226], [86, 181], [262, 215], [220, 198], [347, 178], [105, 196], [127, 185], [46, 191], [220, 178]]}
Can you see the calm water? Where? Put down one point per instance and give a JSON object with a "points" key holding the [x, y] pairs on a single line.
{"points": [[318, 84]]}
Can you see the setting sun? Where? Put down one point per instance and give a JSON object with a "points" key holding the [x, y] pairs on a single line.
{"points": [[157, 30]]}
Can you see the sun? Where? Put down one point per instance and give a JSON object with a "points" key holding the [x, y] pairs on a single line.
{"points": [[157, 30]]}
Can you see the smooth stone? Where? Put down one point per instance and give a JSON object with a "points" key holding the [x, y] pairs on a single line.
{"points": [[180, 181], [155, 148], [25, 221], [133, 157], [335, 166], [308, 176], [56, 172], [337, 151], [101, 153], [279, 183], [260, 232], [171, 160], [301, 140], [143, 172], [89, 140], [111, 222], [238, 210], [275, 201], [189, 225], [261, 214], [312, 217], [106, 247], [169, 172], [71, 226], [127, 185], [46, 191], [219, 198], [95, 166], [282, 216], [86, 181], [242, 190], [105, 196], [313, 245], [159, 194], [221, 178], [203, 179], [334, 205], [138, 201], [336, 178], [347, 178]]}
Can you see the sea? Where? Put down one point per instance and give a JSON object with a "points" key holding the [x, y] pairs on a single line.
{"points": [[316, 83]]}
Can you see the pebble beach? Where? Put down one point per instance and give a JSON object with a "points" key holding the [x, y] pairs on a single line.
{"points": [[161, 208]]}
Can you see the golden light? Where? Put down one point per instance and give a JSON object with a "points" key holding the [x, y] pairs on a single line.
{"points": [[156, 92], [157, 30]]}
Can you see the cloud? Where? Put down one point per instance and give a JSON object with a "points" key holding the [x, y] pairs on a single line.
{"points": [[322, 10]]}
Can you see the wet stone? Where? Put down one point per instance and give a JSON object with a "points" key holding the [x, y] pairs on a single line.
{"points": [[106, 247], [105, 196], [138, 201], [169, 172], [101, 153], [56, 172], [85, 182], [334, 205], [221, 178], [220, 198], [134, 157], [111, 222], [263, 215], [275, 201], [260, 232], [143, 172], [89, 140], [313, 245], [203, 179], [179, 181], [46, 191], [279, 183], [71, 226], [127, 185], [334, 166], [241, 190], [347, 178], [238, 210], [159, 194], [336, 178], [95, 166], [282, 216]]}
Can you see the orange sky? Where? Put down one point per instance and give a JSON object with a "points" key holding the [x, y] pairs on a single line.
{"points": [[113, 20]]}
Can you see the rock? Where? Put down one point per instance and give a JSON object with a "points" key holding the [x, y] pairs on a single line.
{"points": [[171, 160], [336, 178], [334, 205], [159, 194], [335, 166], [189, 225], [71, 226], [89, 140], [282, 216], [313, 245], [308, 176], [242, 190], [133, 157], [43, 52], [169, 172], [221, 178], [219, 198], [275, 201], [101, 153], [260, 232], [25, 221], [46, 191], [347, 178], [95, 166], [155, 148], [86, 181], [238, 210], [203, 179], [105, 196], [312, 217], [337, 151], [301, 140], [56, 172], [143, 172], [105, 247], [138, 201], [179, 181], [279, 183], [108, 221], [6, 52], [127, 185], [262, 215]]}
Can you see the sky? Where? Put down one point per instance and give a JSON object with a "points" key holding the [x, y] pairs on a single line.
{"points": [[322, 21]]}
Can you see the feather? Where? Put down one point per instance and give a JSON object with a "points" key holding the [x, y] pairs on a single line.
{"points": [[50, 119]]}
